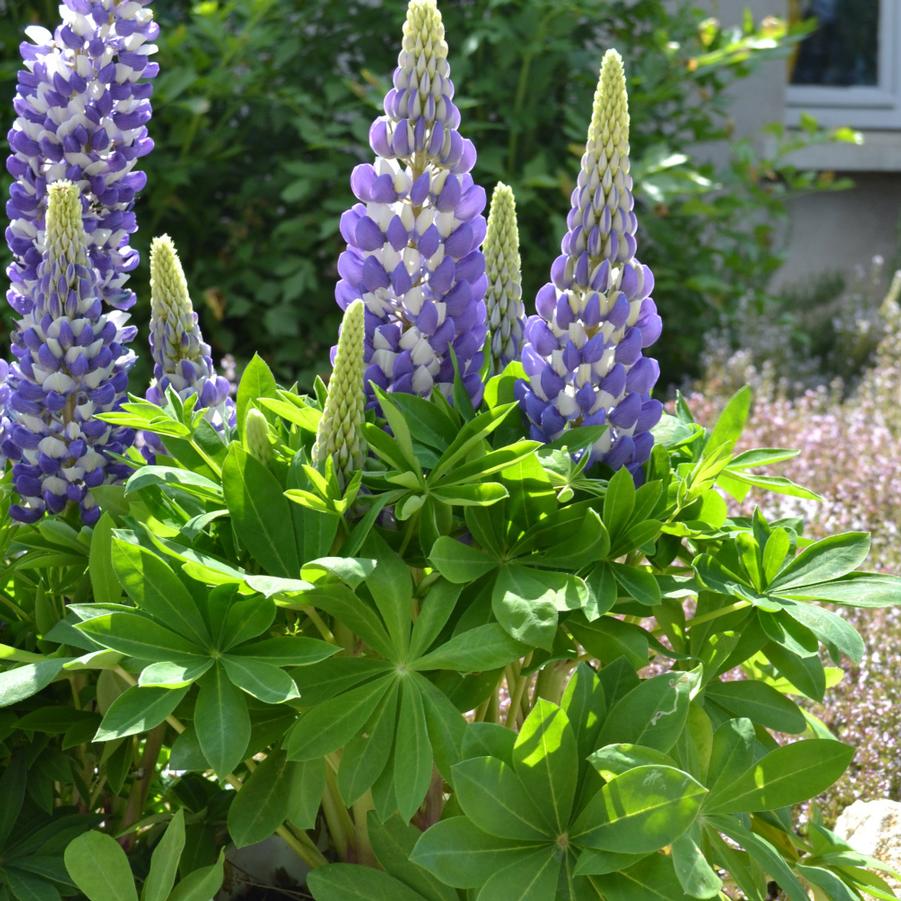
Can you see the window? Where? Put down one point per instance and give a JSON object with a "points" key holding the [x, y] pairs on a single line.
{"points": [[848, 71]]}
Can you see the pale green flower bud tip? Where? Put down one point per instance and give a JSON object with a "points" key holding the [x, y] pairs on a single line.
{"points": [[64, 229], [168, 285], [503, 233], [610, 112], [256, 436], [424, 30], [340, 432]]}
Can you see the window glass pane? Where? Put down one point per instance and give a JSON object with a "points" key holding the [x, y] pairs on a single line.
{"points": [[844, 49]]}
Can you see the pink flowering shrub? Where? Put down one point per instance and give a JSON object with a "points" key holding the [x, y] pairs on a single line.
{"points": [[850, 447]]}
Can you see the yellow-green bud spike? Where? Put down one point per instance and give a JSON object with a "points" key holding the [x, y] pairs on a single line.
{"points": [[65, 236], [340, 432], [503, 267], [256, 436], [169, 297], [609, 129]]}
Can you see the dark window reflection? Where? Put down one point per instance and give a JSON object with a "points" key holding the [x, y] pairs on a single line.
{"points": [[844, 50]]}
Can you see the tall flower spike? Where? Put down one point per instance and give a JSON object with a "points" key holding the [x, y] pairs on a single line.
{"points": [[82, 108], [340, 432], [71, 363], [583, 351], [181, 358], [503, 299], [413, 239]]}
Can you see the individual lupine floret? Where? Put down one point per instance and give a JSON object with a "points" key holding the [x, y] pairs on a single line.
{"points": [[71, 362], [82, 106], [340, 432], [503, 299], [413, 240], [583, 352], [4, 419], [181, 358]]}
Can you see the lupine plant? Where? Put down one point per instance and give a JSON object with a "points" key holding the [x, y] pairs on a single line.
{"points": [[433, 657]]}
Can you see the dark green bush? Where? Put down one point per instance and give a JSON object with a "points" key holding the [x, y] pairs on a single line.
{"points": [[258, 119]]}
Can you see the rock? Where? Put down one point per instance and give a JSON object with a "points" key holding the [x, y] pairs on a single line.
{"points": [[874, 828]]}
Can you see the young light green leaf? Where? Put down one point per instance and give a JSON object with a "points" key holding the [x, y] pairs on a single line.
{"points": [[99, 867], [164, 861], [138, 710]]}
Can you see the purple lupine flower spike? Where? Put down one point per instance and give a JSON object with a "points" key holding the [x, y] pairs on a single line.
{"points": [[413, 239], [82, 106], [71, 362], [583, 352], [181, 358]]}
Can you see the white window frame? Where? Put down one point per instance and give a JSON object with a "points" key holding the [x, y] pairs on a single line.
{"points": [[877, 107]]}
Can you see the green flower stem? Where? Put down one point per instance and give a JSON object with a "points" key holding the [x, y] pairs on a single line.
{"points": [[518, 692], [716, 614], [320, 624], [340, 826]]}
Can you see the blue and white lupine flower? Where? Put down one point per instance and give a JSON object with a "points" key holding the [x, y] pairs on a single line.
{"points": [[413, 239], [71, 363], [503, 299], [82, 106], [181, 359], [4, 401], [583, 352]]}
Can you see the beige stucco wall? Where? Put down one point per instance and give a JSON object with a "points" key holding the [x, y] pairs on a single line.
{"points": [[827, 232]]}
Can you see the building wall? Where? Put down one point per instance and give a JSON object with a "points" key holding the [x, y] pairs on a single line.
{"points": [[827, 232]]}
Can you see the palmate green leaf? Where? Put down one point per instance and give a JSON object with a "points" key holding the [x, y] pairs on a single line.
{"points": [[245, 620], [759, 702], [164, 861], [854, 590], [445, 723], [469, 437], [138, 710], [460, 563], [834, 887], [261, 805], [392, 590], [260, 512], [333, 723], [285, 650], [346, 882], [545, 757], [202, 884], [153, 586], [730, 424], [619, 503], [257, 382], [169, 477], [608, 638], [804, 671], [614, 760], [824, 560], [356, 614], [653, 879], [640, 811], [638, 583], [140, 637], [486, 647], [463, 856], [829, 628], [599, 863], [435, 610], [221, 721], [653, 714], [22, 682], [305, 792], [412, 752], [697, 878], [765, 855], [13, 781], [495, 799], [483, 494], [533, 878], [785, 776], [366, 755], [167, 674], [263, 681], [99, 867], [104, 585]]}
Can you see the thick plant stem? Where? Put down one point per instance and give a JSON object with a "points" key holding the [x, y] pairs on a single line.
{"points": [[340, 825], [551, 681], [152, 747]]}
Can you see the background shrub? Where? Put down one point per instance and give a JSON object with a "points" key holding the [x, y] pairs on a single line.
{"points": [[263, 107]]}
